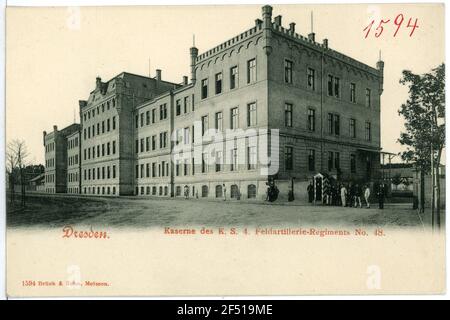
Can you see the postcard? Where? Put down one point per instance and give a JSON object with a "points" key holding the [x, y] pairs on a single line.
{"points": [[225, 150]]}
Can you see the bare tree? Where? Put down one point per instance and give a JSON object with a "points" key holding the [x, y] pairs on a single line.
{"points": [[11, 165], [17, 158]]}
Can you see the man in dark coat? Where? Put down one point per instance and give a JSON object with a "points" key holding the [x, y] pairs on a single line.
{"points": [[381, 194], [310, 190]]}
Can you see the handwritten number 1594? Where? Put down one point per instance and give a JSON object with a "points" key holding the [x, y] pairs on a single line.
{"points": [[398, 22]]}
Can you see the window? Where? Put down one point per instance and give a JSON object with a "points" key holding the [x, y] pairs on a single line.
{"points": [[165, 110], [368, 102], [142, 144], [204, 191], [178, 107], [233, 166], [219, 121], [234, 118], [114, 171], [353, 92], [330, 160], [136, 146], [154, 142], [251, 114], [234, 191], [153, 115], [337, 160], [330, 123], [288, 114], [205, 124], [204, 162], [353, 163], [312, 160], [218, 81], [330, 85], [219, 192], [147, 118], [337, 122], [337, 92], [219, 160], [185, 167], [154, 169], [234, 77], [251, 71], [368, 131], [287, 71], [252, 157], [333, 86], [103, 126], [251, 191], [352, 128], [177, 168], [204, 88], [108, 148], [186, 136], [113, 123], [311, 79], [333, 121], [136, 121], [142, 119], [288, 158], [311, 119], [147, 144], [162, 112], [163, 168], [186, 104], [163, 140]]}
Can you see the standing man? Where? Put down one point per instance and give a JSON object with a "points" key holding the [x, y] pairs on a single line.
{"points": [[310, 191], [367, 195], [343, 195], [358, 196], [381, 193]]}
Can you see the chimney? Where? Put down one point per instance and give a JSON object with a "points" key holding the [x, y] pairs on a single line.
{"points": [[325, 43], [194, 54], [277, 20], [158, 74], [292, 27], [98, 82], [258, 22], [380, 67], [44, 134], [312, 37], [267, 16], [55, 128], [185, 80]]}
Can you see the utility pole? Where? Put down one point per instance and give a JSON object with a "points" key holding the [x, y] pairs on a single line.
{"points": [[432, 179]]}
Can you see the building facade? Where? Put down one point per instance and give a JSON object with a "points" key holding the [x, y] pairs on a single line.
{"points": [[56, 155], [145, 136]]}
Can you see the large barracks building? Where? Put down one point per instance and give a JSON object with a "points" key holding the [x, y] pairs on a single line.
{"points": [[325, 106]]}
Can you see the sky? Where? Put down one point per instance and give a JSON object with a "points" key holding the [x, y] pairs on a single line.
{"points": [[53, 55]]}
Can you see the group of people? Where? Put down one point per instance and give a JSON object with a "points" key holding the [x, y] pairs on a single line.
{"points": [[347, 195]]}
